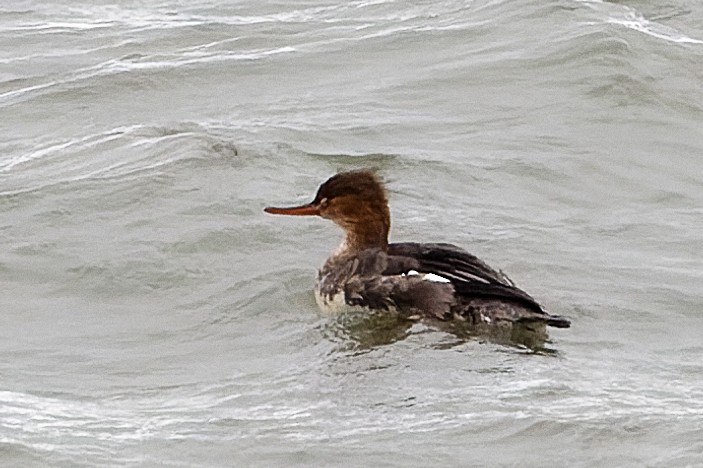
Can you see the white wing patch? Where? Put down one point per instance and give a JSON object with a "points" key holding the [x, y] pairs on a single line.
{"points": [[428, 277], [435, 278]]}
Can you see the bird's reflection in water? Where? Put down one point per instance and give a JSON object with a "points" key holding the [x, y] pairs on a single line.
{"points": [[366, 330]]}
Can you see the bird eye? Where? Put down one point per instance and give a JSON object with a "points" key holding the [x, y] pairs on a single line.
{"points": [[323, 203]]}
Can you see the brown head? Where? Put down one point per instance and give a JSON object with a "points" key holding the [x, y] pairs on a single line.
{"points": [[356, 201]]}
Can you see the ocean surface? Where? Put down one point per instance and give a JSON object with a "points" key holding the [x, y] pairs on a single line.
{"points": [[152, 315]]}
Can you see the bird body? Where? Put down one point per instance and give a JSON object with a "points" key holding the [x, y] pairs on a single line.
{"points": [[435, 281]]}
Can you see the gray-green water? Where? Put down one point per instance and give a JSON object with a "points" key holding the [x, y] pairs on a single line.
{"points": [[153, 315]]}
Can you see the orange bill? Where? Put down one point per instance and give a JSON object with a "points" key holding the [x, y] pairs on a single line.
{"points": [[309, 209]]}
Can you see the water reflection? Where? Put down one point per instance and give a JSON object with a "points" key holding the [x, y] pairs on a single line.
{"points": [[365, 330]]}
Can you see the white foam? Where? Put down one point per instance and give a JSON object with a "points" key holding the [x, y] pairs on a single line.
{"points": [[632, 19], [637, 22]]}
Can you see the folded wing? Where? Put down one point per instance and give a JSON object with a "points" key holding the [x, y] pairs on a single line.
{"points": [[470, 276]]}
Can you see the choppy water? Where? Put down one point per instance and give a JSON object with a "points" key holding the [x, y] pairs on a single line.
{"points": [[153, 315]]}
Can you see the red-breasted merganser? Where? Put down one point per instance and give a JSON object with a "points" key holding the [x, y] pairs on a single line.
{"points": [[434, 280]]}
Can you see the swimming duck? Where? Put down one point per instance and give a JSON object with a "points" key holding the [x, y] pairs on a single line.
{"points": [[437, 281]]}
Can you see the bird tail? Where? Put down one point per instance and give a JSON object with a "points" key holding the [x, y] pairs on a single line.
{"points": [[555, 321]]}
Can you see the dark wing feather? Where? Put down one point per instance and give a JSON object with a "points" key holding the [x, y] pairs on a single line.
{"points": [[470, 276], [449, 261]]}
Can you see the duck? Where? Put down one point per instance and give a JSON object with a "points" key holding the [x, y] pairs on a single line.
{"points": [[432, 281]]}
